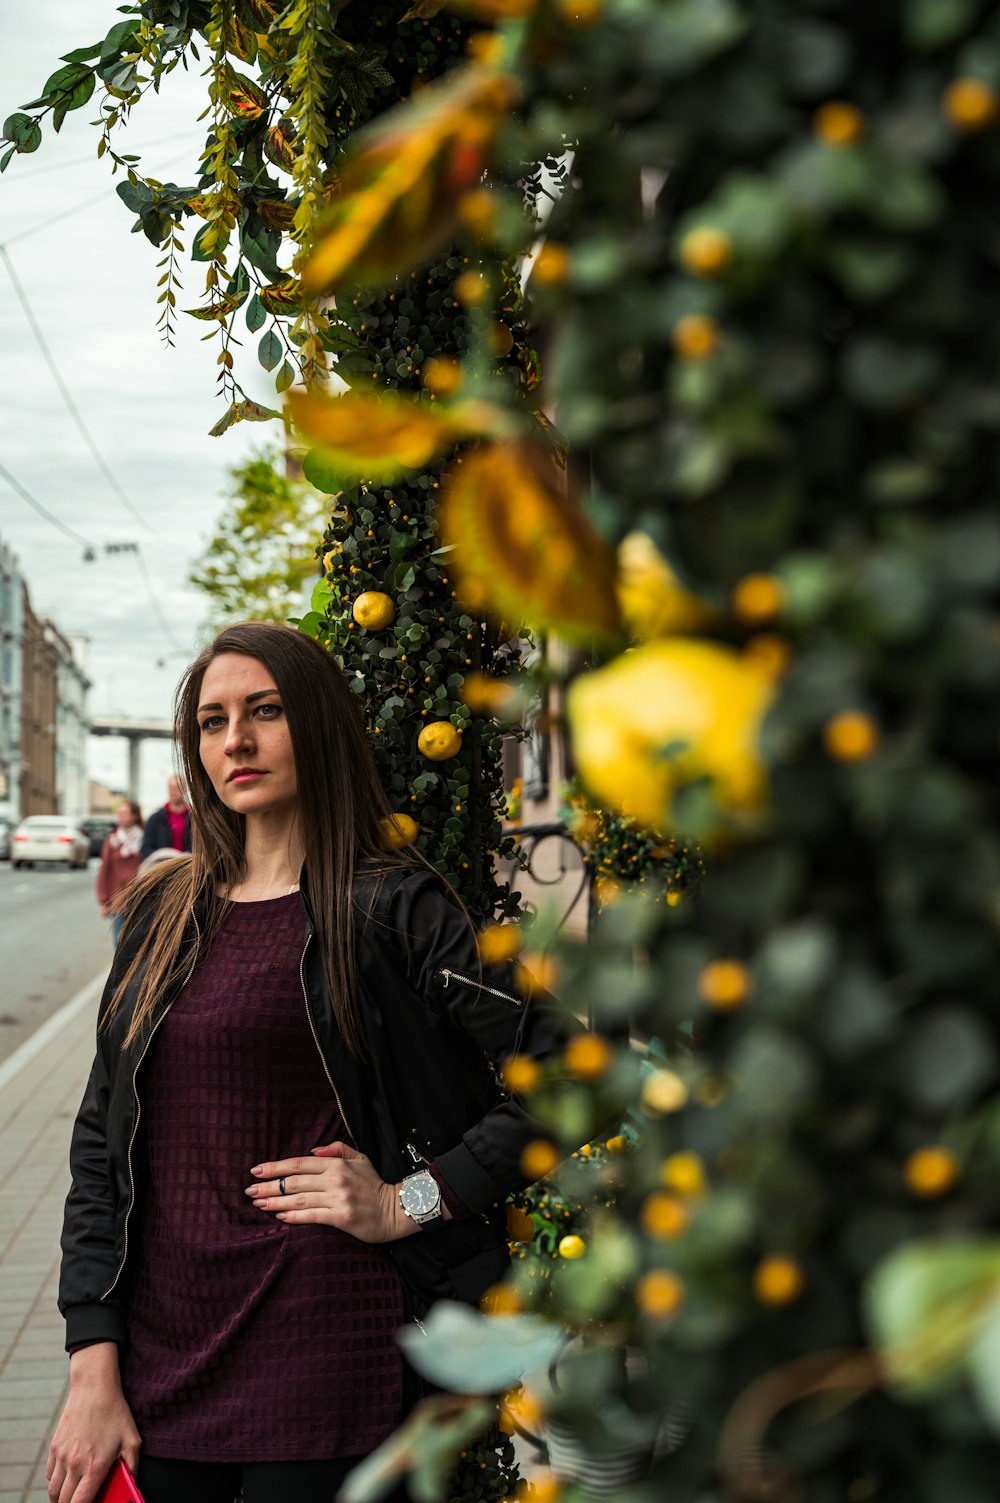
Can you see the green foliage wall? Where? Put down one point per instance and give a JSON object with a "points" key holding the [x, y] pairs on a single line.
{"points": [[289, 82]]}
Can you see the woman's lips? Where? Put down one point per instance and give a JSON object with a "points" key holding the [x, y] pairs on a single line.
{"points": [[248, 776]]}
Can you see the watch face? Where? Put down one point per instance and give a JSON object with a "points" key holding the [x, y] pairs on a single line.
{"points": [[420, 1195]]}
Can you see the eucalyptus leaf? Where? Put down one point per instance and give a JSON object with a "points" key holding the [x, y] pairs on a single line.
{"points": [[466, 1352], [25, 132], [425, 1447], [269, 351], [256, 314], [927, 1304]]}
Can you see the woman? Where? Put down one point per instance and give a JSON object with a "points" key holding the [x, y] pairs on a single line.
{"points": [[121, 857], [263, 1191]]}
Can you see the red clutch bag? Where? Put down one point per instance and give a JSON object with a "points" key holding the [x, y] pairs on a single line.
{"points": [[119, 1486]]}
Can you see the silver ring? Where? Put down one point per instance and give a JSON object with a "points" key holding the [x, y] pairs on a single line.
{"points": [[281, 1186]]}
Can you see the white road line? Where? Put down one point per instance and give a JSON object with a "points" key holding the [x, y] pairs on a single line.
{"points": [[50, 1028]]}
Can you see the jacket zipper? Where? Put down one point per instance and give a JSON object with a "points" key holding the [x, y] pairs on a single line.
{"points": [[312, 1025], [135, 1128], [449, 976], [415, 1154]]}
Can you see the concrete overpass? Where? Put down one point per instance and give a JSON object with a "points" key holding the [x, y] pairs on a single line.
{"points": [[135, 730]]}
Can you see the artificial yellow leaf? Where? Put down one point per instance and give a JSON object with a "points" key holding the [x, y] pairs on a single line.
{"points": [[281, 297], [277, 213], [245, 98], [279, 145], [524, 546], [653, 601], [395, 200], [385, 433], [668, 713]]}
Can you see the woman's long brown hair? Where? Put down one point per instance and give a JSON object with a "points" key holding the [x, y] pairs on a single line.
{"points": [[340, 805]]}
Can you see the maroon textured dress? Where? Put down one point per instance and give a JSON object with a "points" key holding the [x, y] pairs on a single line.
{"points": [[249, 1339]]}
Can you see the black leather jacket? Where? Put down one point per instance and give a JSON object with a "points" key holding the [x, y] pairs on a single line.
{"points": [[437, 1026]]}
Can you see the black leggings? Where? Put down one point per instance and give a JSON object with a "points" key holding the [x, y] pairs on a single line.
{"points": [[162, 1481]]}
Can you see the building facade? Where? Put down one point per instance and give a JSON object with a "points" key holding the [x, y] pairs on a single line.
{"points": [[11, 626], [38, 716], [71, 722]]}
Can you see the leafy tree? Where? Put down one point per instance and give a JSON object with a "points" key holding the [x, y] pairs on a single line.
{"points": [[264, 547]]}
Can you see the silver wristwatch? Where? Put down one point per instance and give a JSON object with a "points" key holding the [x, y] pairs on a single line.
{"points": [[420, 1197]]}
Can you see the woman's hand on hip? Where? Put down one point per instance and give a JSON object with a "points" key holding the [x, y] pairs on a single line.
{"points": [[95, 1429], [335, 1186]]}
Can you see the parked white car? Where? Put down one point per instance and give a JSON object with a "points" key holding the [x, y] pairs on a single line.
{"points": [[49, 837]]}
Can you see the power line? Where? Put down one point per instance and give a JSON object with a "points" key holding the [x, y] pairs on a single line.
{"points": [[68, 401], [97, 198], [43, 511], [28, 175], [90, 552]]}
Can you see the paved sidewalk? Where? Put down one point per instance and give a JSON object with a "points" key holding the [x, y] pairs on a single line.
{"points": [[40, 1089]]}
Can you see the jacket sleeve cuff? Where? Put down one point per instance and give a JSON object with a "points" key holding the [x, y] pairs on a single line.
{"points": [[91, 1323], [467, 1179], [456, 1205]]}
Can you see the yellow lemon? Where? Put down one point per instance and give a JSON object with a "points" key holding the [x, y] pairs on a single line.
{"points": [[684, 1172], [489, 696], [838, 123], [698, 700], [572, 1246], [724, 984], [477, 209], [588, 1056], [580, 12], [524, 1407], [439, 741], [851, 736], [537, 972], [501, 340], [663, 1216], [470, 288], [520, 1073], [520, 1226], [551, 265], [500, 1299], [617, 1143], [659, 1293], [931, 1171], [499, 943], [706, 251], [770, 654], [695, 337], [663, 1092], [758, 598], [543, 1488], [442, 375], [399, 830], [778, 1280], [653, 601], [539, 1158], [970, 105], [373, 610]]}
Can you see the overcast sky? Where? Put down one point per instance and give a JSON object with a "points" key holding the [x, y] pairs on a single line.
{"points": [[92, 287]]}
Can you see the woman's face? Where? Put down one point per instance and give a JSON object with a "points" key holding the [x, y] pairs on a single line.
{"points": [[124, 817], [244, 743]]}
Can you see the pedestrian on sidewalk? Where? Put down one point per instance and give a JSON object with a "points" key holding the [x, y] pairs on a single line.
{"points": [[121, 857], [170, 825], [293, 1139]]}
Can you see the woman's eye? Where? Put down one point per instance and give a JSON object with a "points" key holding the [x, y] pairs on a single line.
{"points": [[276, 709], [210, 722]]}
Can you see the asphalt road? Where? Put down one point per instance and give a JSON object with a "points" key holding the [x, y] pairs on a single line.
{"points": [[52, 942]]}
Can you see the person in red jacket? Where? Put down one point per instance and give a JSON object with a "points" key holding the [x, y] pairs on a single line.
{"points": [[121, 856]]}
